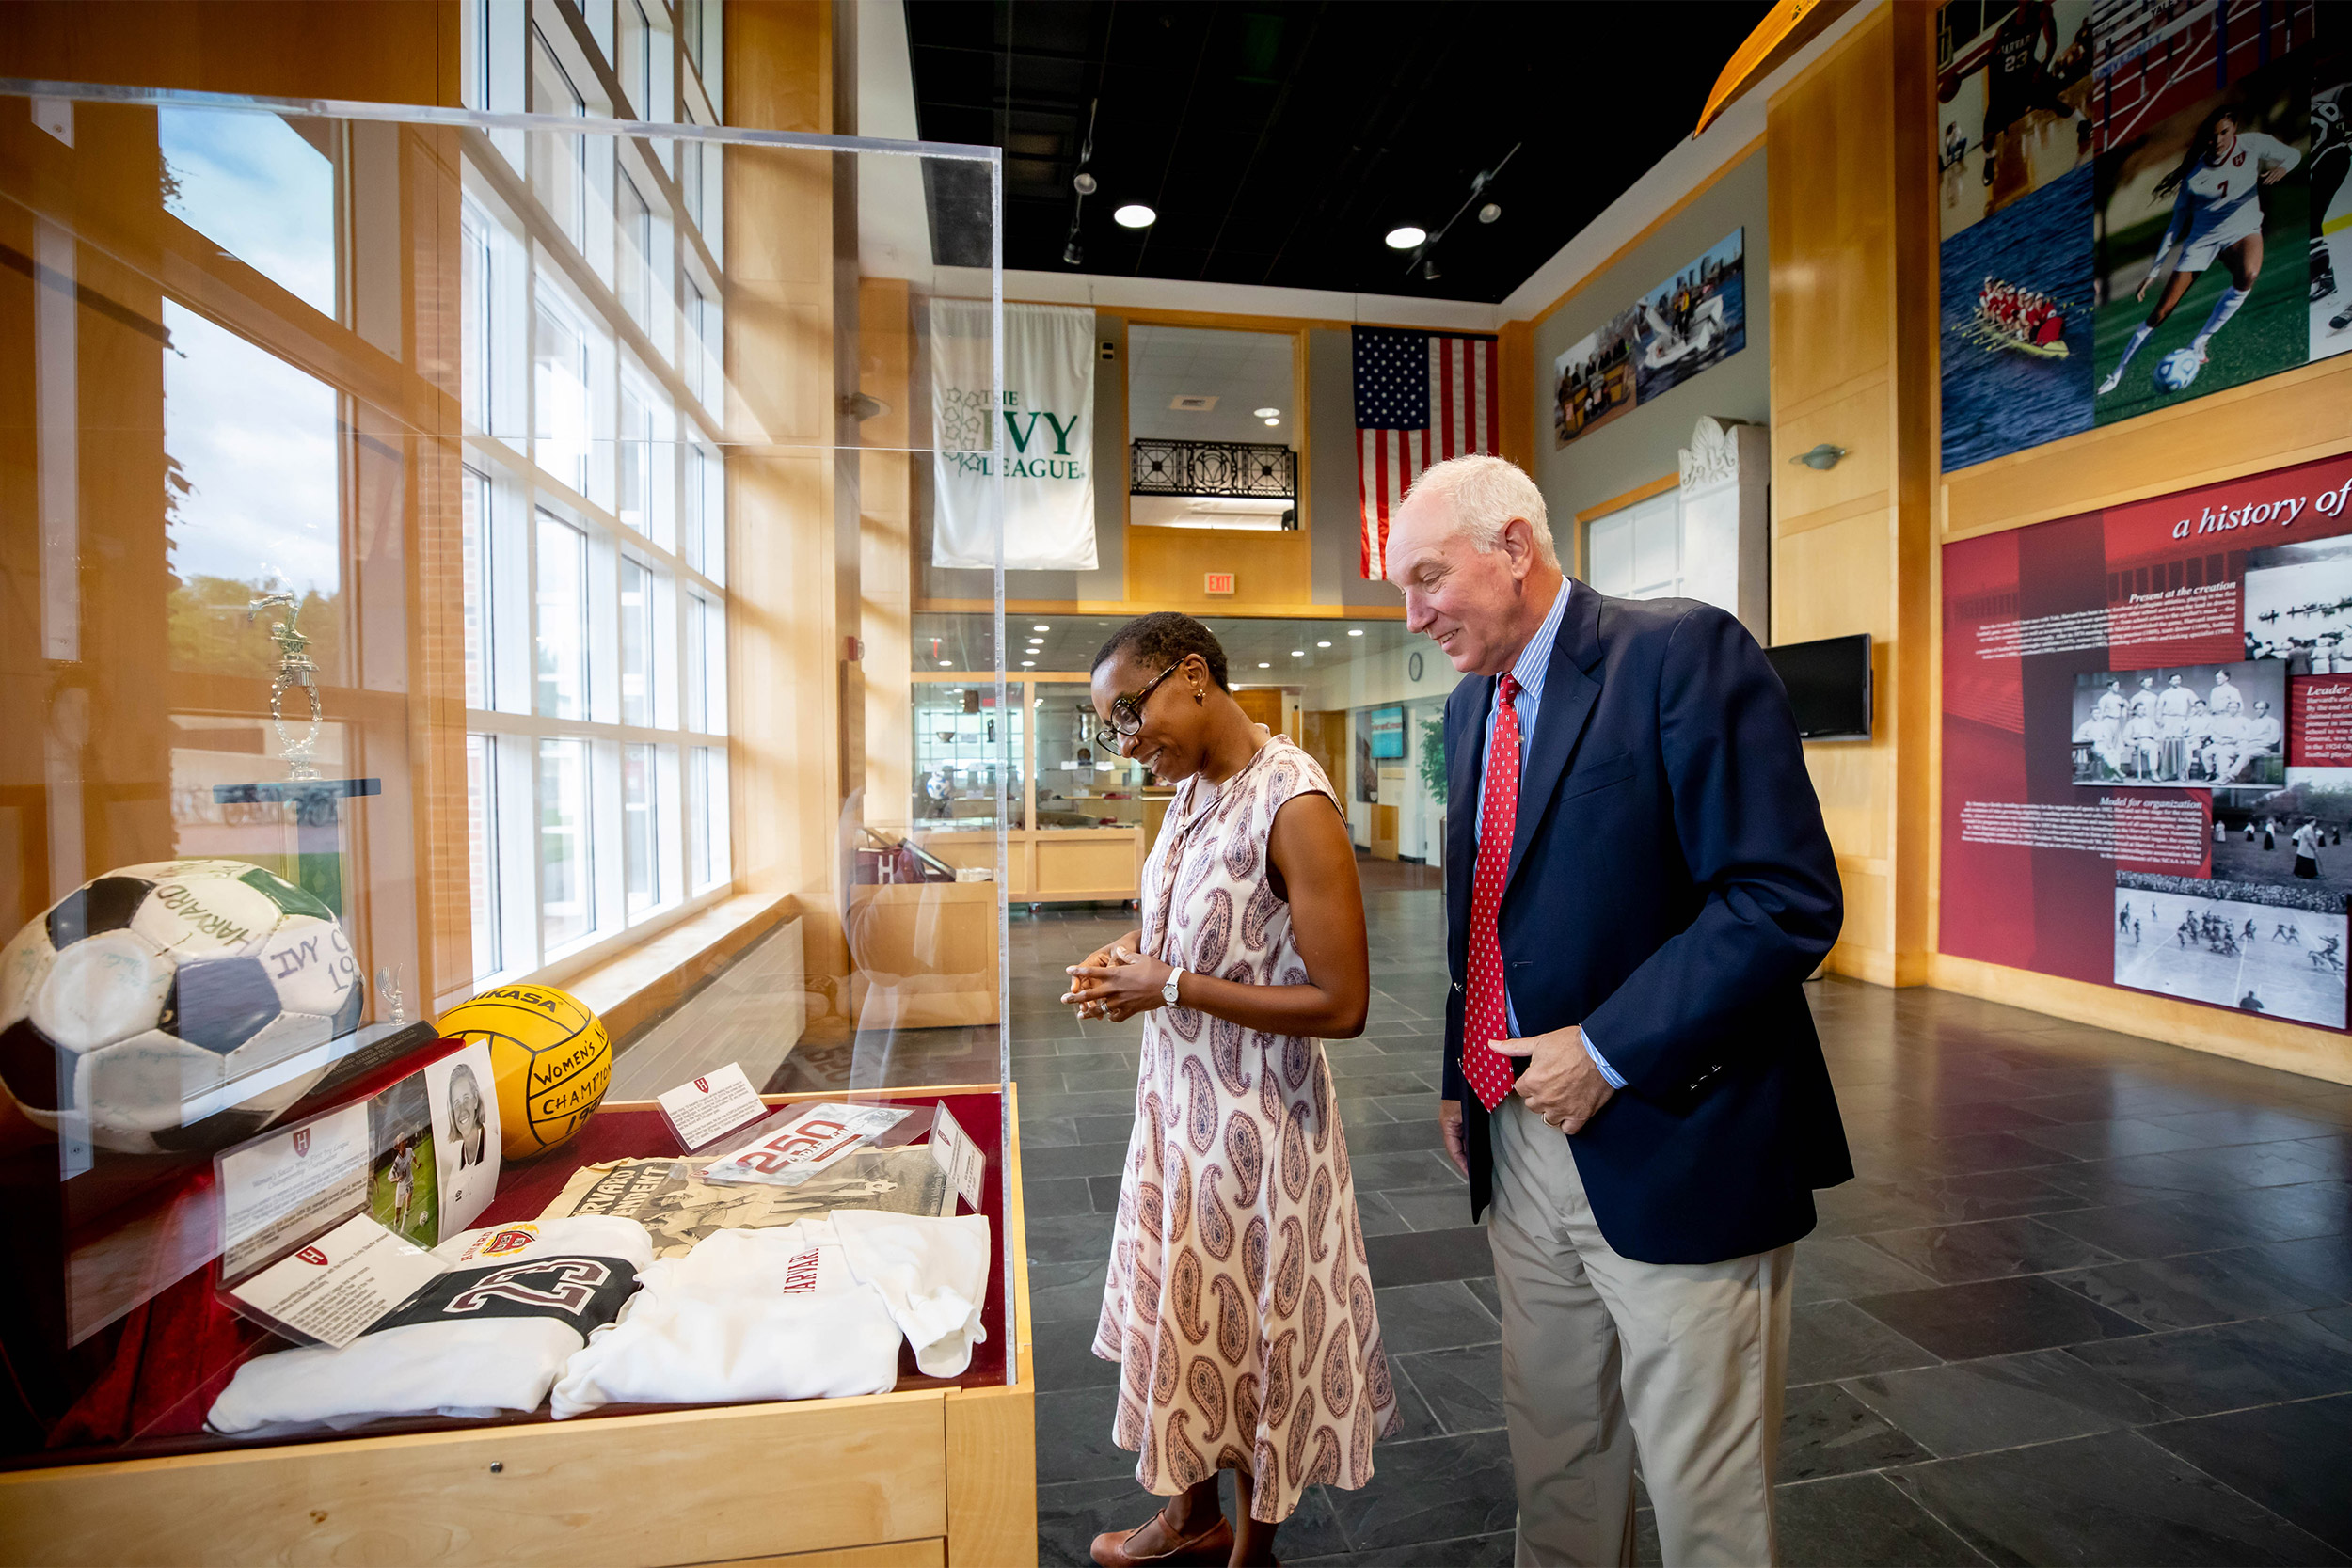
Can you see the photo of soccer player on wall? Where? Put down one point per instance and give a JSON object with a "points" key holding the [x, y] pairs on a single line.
{"points": [[2013, 94], [2189, 215], [2203, 725], [2331, 205], [2272, 950]]}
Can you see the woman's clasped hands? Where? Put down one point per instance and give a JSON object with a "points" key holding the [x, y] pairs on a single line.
{"points": [[1117, 982]]}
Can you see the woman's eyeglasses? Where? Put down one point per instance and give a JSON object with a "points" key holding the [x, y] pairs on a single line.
{"points": [[1127, 712]]}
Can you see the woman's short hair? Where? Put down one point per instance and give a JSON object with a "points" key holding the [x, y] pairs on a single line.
{"points": [[1483, 494], [1163, 639]]}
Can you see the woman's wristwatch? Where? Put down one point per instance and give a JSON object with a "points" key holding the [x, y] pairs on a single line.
{"points": [[1168, 991]]}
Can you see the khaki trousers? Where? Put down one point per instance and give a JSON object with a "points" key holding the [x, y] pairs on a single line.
{"points": [[1602, 1355]]}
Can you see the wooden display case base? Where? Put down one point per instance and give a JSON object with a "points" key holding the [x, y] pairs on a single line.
{"points": [[940, 1476], [1048, 865]]}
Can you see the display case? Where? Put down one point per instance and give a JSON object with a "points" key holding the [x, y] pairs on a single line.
{"points": [[1078, 816], [454, 814]]}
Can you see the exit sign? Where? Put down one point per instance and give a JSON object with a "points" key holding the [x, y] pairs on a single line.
{"points": [[1217, 582]]}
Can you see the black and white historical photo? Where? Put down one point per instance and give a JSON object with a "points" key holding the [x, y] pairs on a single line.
{"points": [[2199, 725]]}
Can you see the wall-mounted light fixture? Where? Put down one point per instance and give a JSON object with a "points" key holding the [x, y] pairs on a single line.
{"points": [[1822, 456]]}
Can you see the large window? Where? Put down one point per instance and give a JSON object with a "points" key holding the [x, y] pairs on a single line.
{"points": [[560, 393], [632, 224], [594, 526], [558, 162]]}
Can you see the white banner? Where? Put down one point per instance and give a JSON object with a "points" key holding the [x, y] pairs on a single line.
{"points": [[1048, 427]]}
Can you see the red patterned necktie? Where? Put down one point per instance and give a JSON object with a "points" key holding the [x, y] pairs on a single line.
{"points": [[1487, 1018]]}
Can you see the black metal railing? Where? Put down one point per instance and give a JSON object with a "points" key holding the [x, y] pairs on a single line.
{"points": [[1212, 468]]}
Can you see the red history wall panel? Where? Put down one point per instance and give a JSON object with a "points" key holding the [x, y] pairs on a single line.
{"points": [[2132, 735]]}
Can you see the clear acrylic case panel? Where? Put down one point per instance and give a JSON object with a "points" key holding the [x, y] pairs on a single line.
{"points": [[478, 547]]}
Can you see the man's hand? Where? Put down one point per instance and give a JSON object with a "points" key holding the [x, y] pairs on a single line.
{"points": [[1456, 1139], [1561, 1084]]}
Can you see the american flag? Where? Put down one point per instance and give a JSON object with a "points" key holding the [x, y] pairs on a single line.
{"points": [[1421, 398]]}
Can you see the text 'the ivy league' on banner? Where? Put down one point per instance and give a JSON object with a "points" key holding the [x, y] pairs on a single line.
{"points": [[1047, 421]]}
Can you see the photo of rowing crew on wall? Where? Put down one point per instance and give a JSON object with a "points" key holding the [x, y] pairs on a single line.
{"points": [[2271, 950], [2205, 726], [2298, 606]]}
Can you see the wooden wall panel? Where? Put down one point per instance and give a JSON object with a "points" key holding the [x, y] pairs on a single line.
{"points": [[2286, 419], [1852, 544], [1272, 571], [785, 636], [382, 52]]}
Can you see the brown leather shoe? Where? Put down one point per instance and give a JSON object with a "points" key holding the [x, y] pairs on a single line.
{"points": [[1212, 1546]]}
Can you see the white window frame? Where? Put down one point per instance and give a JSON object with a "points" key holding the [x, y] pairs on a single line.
{"points": [[509, 491], [1646, 536]]}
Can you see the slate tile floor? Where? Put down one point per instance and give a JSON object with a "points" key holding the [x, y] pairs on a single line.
{"points": [[2085, 1302]]}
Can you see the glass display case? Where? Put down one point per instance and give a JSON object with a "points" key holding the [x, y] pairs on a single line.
{"points": [[1079, 784], [455, 805], [1076, 817], [968, 756]]}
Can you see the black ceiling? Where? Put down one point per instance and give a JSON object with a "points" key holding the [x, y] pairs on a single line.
{"points": [[1279, 142]]}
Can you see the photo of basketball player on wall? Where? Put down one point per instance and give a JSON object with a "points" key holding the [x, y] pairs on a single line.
{"points": [[2012, 93], [2183, 214]]}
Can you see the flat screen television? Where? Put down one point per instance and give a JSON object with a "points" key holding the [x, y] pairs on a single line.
{"points": [[1386, 726], [1829, 686]]}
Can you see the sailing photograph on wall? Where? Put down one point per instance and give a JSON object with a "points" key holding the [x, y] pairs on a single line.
{"points": [[1690, 323]]}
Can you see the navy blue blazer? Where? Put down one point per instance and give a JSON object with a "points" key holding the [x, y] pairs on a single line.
{"points": [[1671, 886]]}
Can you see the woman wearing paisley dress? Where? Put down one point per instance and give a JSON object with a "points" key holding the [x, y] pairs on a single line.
{"points": [[1238, 1302]]}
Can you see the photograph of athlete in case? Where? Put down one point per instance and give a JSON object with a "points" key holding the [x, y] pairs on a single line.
{"points": [[2183, 215], [2200, 725], [2298, 606], [2259, 949], [2015, 319], [404, 1187], [2012, 90], [2290, 837]]}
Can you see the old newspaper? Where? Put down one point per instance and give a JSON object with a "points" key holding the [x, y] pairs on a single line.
{"points": [[669, 1198]]}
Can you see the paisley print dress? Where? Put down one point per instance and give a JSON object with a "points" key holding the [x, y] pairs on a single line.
{"points": [[1238, 1303]]}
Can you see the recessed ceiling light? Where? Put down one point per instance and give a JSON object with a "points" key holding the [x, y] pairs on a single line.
{"points": [[1265, 413], [1040, 628], [1354, 633], [946, 663], [1134, 215], [1298, 653], [1264, 665], [1030, 664], [1323, 644], [1273, 422], [1403, 237]]}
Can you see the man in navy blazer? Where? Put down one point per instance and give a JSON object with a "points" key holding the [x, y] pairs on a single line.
{"points": [[1638, 882]]}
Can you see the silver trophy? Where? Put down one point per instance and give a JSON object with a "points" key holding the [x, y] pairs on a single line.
{"points": [[295, 668]]}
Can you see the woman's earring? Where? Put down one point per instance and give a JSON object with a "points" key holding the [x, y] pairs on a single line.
{"points": [[1198, 696]]}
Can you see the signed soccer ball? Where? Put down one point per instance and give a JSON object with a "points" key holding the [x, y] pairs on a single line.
{"points": [[2176, 370], [141, 995]]}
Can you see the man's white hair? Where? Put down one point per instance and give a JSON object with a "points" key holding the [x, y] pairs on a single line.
{"points": [[1482, 494]]}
